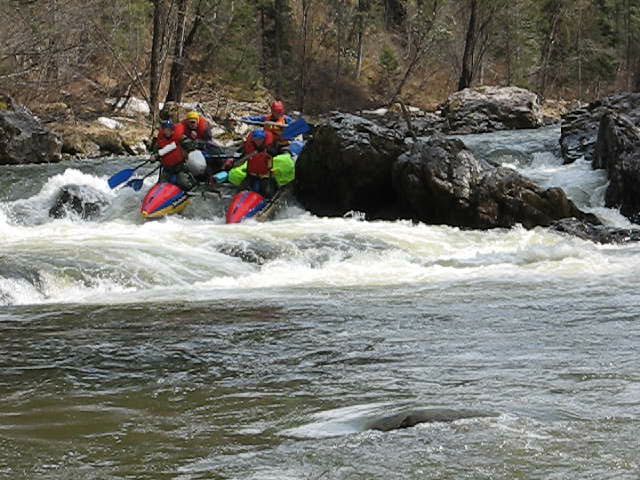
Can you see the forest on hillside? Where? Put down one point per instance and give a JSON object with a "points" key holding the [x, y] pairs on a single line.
{"points": [[316, 55]]}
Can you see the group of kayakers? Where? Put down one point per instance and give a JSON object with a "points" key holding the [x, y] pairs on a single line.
{"points": [[176, 140]]}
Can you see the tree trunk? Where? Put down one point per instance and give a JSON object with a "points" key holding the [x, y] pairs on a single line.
{"points": [[466, 75], [339, 33], [264, 45], [176, 77], [363, 7], [52, 70], [281, 8], [306, 6], [548, 48], [628, 43], [579, 53], [156, 55]]}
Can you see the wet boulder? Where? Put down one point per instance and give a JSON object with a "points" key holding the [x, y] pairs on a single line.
{"points": [[413, 122], [23, 139], [595, 233], [411, 418], [617, 150], [487, 109], [79, 200], [440, 182], [579, 130], [347, 166]]}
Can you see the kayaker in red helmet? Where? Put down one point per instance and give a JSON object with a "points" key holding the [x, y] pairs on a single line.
{"points": [[276, 121]]}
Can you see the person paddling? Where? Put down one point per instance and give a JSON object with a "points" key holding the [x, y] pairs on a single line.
{"points": [[196, 127], [275, 122], [171, 155], [259, 149]]}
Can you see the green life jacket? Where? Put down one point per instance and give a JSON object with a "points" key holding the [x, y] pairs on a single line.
{"points": [[284, 171]]}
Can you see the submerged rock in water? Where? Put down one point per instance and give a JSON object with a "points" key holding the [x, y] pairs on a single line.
{"points": [[80, 200], [347, 166], [411, 418], [487, 109], [618, 151], [252, 252], [23, 139], [596, 233], [579, 130]]}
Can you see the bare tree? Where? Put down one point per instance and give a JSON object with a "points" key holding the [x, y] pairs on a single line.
{"points": [[553, 13], [466, 75], [477, 39], [422, 34], [176, 77]]}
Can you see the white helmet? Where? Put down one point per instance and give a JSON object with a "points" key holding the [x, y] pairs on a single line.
{"points": [[196, 163]]}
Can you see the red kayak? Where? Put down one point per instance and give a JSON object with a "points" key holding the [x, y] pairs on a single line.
{"points": [[164, 199], [245, 205]]}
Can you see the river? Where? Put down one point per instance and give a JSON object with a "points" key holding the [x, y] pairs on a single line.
{"points": [[189, 349]]}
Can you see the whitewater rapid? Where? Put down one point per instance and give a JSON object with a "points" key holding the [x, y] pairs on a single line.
{"points": [[118, 258]]}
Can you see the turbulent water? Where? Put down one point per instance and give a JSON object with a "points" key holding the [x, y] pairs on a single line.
{"points": [[186, 348]]}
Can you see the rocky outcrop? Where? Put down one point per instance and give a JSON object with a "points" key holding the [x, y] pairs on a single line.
{"points": [[347, 166], [595, 233], [93, 139], [472, 110], [352, 164], [579, 130], [413, 122], [617, 150], [440, 181], [486, 109], [23, 139]]}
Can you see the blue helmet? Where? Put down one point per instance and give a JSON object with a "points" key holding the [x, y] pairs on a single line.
{"points": [[258, 135], [167, 124]]}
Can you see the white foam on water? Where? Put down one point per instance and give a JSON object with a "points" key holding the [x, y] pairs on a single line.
{"points": [[118, 258], [179, 258], [339, 421]]}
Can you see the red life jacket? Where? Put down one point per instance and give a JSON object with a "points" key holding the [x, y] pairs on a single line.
{"points": [[250, 146], [199, 133], [175, 157], [260, 164]]}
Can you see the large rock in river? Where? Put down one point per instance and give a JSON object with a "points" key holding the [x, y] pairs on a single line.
{"points": [[354, 164], [486, 109], [440, 181], [617, 150], [347, 166], [23, 139], [579, 130]]}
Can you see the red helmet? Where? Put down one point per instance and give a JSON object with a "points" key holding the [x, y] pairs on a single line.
{"points": [[277, 107]]}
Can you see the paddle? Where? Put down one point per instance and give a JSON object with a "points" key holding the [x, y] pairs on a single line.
{"points": [[124, 175], [299, 127], [136, 183], [295, 128]]}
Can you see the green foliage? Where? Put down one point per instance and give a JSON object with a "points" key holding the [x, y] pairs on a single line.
{"points": [[388, 61]]}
